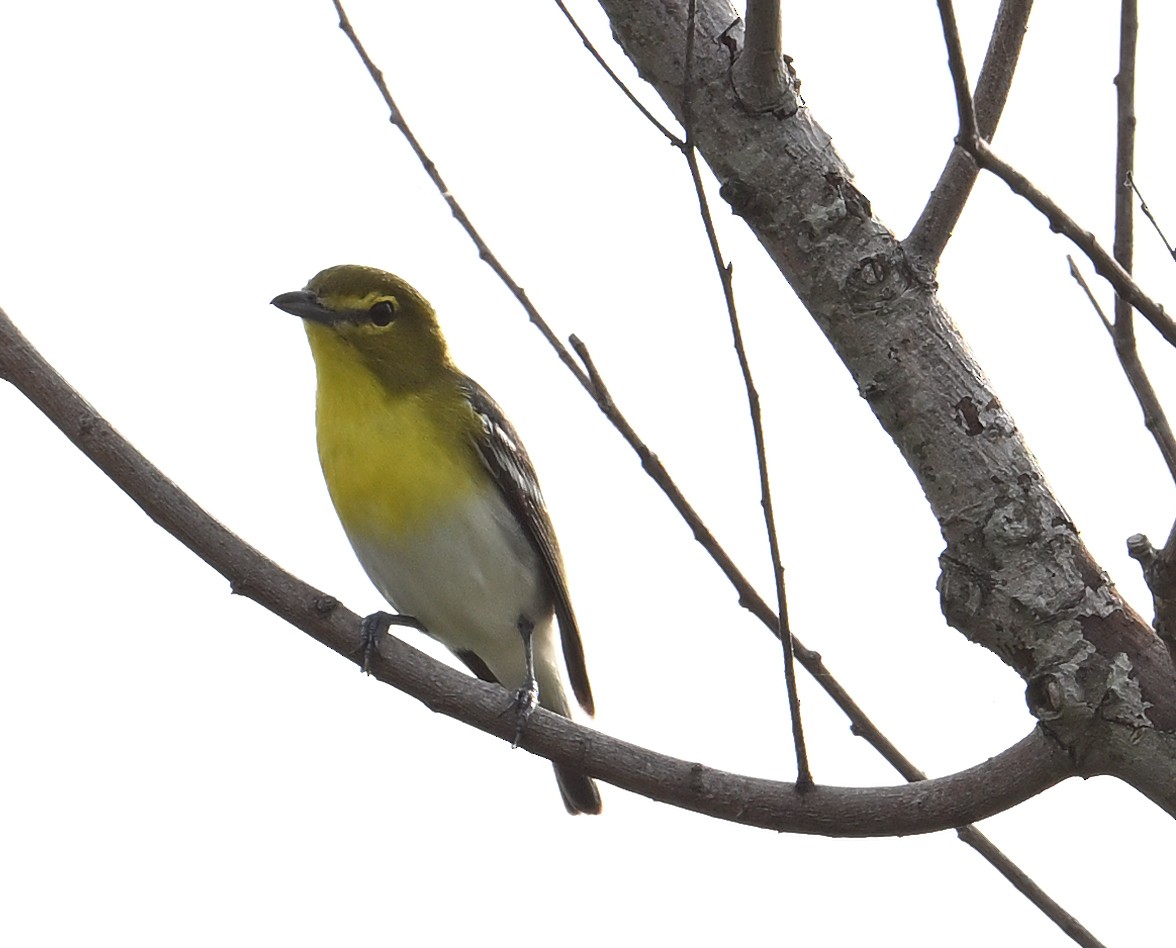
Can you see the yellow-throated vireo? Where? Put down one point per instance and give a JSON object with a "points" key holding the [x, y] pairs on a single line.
{"points": [[437, 495]]}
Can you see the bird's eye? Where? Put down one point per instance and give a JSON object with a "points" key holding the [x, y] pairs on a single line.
{"points": [[382, 313]]}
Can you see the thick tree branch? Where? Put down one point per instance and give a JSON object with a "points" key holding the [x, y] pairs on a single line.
{"points": [[1026, 769], [1015, 575], [933, 229]]}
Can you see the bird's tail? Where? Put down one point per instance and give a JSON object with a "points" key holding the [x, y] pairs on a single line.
{"points": [[579, 791]]}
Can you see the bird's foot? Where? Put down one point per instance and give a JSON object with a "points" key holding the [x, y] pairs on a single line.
{"points": [[527, 697], [525, 703], [373, 627]]}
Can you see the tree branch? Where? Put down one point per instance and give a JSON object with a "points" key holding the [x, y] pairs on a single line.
{"points": [[1151, 217], [1024, 770], [804, 777], [1154, 418], [1015, 574], [1124, 244], [617, 81], [931, 232], [1028, 888], [1104, 264], [1160, 568], [762, 75]]}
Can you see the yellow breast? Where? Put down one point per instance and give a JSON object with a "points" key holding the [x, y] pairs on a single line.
{"points": [[392, 460]]}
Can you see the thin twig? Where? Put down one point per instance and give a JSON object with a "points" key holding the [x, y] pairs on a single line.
{"points": [[749, 599], [625, 90], [1154, 417], [804, 777], [1077, 275], [1104, 264], [396, 117], [1028, 888], [1159, 577], [933, 229], [965, 108], [1151, 217], [1123, 245]]}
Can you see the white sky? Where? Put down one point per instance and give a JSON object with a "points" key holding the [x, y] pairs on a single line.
{"points": [[182, 768]]}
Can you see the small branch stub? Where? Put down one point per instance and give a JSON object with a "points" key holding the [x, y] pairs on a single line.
{"points": [[1159, 572]]}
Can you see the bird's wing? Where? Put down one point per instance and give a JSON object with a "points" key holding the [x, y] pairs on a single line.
{"points": [[505, 457]]}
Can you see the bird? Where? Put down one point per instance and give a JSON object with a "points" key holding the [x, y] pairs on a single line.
{"points": [[438, 496]]}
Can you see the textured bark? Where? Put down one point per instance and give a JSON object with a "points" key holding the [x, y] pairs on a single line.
{"points": [[1015, 577]]}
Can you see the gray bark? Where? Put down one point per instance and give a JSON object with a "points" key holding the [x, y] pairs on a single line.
{"points": [[1015, 576]]}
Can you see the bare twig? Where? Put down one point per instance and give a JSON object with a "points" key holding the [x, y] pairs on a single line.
{"points": [[1124, 246], [617, 81], [969, 131], [1028, 888], [396, 117], [749, 599], [804, 777], [933, 229], [1105, 265], [1151, 217], [1103, 262], [1081, 280], [1159, 572], [1154, 418]]}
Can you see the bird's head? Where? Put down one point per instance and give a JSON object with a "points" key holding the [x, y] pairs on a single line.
{"points": [[373, 318]]}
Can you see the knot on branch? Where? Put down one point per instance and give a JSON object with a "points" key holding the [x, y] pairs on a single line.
{"points": [[1056, 694], [745, 200]]}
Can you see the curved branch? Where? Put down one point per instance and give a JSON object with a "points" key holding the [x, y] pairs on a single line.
{"points": [[933, 229], [1026, 769]]}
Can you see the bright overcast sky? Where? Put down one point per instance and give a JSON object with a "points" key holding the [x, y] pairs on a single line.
{"points": [[183, 768]]}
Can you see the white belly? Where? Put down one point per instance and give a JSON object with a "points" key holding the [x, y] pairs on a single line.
{"points": [[468, 579]]}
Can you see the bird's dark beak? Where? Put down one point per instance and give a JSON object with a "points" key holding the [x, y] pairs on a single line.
{"points": [[304, 304]]}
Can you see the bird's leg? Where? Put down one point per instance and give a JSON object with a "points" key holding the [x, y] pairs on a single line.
{"points": [[527, 697], [376, 625]]}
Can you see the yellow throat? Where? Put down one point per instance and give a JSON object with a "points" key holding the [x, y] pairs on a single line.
{"points": [[387, 450]]}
